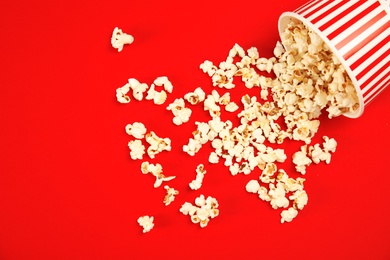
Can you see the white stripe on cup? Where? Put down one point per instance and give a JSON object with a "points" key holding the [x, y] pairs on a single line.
{"points": [[374, 90], [355, 57], [372, 58], [336, 12], [314, 7], [370, 73], [347, 18], [363, 36]]}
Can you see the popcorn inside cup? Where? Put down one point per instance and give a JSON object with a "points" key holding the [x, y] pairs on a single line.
{"points": [[319, 70], [358, 35]]}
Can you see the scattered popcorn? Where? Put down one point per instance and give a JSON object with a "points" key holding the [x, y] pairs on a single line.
{"points": [[197, 183], [157, 144], [307, 79], [195, 97], [146, 223], [156, 170], [170, 196], [119, 38], [202, 211], [137, 130], [180, 112], [137, 149]]}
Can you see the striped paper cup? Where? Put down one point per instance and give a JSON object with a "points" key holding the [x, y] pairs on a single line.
{"points": [[358, 32]]}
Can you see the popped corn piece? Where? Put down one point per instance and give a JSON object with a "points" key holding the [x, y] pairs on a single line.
{"points": [[278, 50], [202, 133], [210, 104], [288, 215], [156, 170], [208, 67], [202, 211], [299, 199], [301, 160], [213, 158], [157, 144], [138, 88], [195, 97], [237, 50], [158, 97], [192, 147], [137, 130], [278, 196], [121, 94], [317, 154], [146, 223], [263, 194], [170, 196], [119, 38], [181, 113], [268, 174], [216, 124], [137, 149], [231, 107], [188, 209], [164, 81], [197, 183], [253, 186], [224, 99], [329, 144]]}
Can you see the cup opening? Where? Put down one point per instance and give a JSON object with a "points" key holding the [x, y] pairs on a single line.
{"points": [[283, 22]]}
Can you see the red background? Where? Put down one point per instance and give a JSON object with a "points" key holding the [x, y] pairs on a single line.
{"points": [[68, 187]]}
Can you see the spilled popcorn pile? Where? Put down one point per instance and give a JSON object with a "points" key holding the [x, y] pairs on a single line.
{"points": [[307, 78]]}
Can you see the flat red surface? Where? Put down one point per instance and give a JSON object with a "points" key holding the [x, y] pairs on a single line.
{"points": [[68, 187]]}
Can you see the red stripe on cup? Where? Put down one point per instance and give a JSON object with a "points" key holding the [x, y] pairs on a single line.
{"points": [[381, 84], [341, 15], [361, 30], [372, 91], [366, 40], [375, 75], [321, 6], [328, 12], [306, 6], [370, 53], [379, 90], [354, 20]]}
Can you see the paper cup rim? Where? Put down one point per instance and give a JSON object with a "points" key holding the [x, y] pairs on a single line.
{"points": [[282, 24]]}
